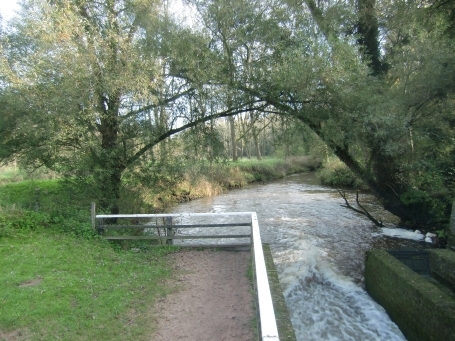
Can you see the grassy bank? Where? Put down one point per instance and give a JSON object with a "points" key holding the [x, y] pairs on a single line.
{"points": [[197, 180], [57, 286], [148, 192], [60, 281]]}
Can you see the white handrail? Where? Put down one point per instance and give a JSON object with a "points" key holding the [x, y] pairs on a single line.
{"points": [[269, 330], [163, 215]]}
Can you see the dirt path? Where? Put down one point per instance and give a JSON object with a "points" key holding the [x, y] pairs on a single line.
{"points": [[213, 300]]}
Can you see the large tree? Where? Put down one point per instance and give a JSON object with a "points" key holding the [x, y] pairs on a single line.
{"points": [[384, 108], [90, 87]]}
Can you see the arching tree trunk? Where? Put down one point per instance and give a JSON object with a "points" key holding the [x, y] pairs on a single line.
{"points": [[369, 35], [233, 139]]}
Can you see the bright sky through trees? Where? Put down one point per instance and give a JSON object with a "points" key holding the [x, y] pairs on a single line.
{"points": [[8, 7], [184, 12]]}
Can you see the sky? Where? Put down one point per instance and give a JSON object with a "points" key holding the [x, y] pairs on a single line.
{"points": [[7, 8]]}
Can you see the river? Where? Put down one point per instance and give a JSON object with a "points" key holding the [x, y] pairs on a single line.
{"points": [[318, 248]]}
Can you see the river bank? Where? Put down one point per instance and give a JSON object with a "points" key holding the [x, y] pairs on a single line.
{"points": [[317, 247], [199, 180]]}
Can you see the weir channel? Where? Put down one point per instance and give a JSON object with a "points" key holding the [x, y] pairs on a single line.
{"points": [[318, 248]]}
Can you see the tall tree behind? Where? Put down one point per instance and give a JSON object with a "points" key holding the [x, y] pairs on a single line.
{"points": [[86, 77], [368, 31]]}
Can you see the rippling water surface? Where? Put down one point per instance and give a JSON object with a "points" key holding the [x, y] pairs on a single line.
{"points": [[318, 247]]}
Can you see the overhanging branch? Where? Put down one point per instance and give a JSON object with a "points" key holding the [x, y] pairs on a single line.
{"points": [[363, 210], [226, 113]]}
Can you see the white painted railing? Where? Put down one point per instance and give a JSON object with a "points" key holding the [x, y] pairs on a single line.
{"points": [[267, 319]]}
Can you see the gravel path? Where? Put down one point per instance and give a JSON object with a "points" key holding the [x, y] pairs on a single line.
{"points": [[213, 300]]}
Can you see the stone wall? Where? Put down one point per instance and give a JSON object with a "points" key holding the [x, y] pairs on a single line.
{"points": [[442, 266], [451, 231], [421, 310]]}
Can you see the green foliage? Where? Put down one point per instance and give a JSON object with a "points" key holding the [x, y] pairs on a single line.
{"points": [[20, 223], [203, 142], [336, 174], [274, 168], [426, 207], [442, 234], [189, 180], [46, 204], [10, 174], [56, 272], [93, 89], [55, 197]]}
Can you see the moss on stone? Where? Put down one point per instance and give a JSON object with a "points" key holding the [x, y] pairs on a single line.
{"points": [[442, 266], [421, 310], [285, 329]]}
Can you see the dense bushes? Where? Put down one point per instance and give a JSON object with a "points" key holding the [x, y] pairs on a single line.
{"points": [[336, 174]]}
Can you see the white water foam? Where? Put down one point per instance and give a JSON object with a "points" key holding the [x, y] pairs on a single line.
{"points": [[400, 233], [327, 306]]}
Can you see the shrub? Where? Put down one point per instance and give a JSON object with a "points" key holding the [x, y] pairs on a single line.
{"points": [[336, 174]]}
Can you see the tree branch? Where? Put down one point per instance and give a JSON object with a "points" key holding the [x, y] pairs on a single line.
{"points": [[363, 211], [148, 146], [160, 103]]}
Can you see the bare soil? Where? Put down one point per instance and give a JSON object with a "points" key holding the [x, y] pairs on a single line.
{"points": [[212, 301]]}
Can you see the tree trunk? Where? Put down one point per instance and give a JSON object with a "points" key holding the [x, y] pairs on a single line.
{"points": [[110, 164], [233, 138], [255, 133], [369, 35], [380, 188]]}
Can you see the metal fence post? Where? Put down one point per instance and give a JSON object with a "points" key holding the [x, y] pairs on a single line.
{"points": [[93, 215], [169, 231]]}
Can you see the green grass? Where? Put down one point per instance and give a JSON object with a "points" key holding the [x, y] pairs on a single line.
{"points": [[60, 281], [60, 287], [25, 193], [275, 168]]}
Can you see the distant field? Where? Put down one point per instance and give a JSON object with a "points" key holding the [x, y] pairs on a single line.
{"points": [[14, 174]]}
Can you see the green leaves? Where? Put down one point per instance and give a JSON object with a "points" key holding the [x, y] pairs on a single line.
{"points": [[91, 87]]}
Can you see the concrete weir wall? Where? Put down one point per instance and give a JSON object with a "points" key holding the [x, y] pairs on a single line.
{"points": [[442, 266], [283, 320], [421, 309]]}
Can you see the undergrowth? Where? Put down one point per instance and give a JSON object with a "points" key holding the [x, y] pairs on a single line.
{"points": [[336, 174], [202, 179]]}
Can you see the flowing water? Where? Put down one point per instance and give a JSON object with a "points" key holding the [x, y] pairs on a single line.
{"points": [[318, 248]]}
